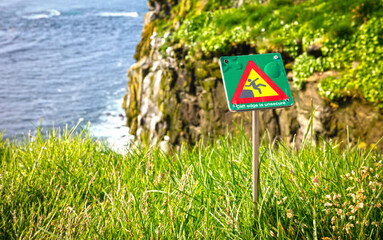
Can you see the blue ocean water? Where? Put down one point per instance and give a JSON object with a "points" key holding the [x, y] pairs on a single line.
{"points": [[66, 61]]}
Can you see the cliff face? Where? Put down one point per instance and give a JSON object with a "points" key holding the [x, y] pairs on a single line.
{"points": [[183, 98]]}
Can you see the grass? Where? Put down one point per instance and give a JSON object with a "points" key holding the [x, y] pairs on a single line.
{"points": [[65, 185]]}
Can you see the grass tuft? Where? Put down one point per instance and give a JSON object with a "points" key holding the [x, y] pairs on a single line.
{"points": [[68, 185]]}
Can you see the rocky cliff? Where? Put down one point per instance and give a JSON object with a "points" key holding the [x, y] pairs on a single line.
{"points": [[182, 97]]}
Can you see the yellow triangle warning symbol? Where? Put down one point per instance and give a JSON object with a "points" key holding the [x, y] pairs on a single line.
{"points": [[256, 86]]}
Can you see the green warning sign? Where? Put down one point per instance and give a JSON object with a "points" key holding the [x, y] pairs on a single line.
{"points": [[255, 82]]}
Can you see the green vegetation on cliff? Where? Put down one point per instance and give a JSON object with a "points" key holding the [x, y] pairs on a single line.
{"points": [[318, 35], [68, 186]]}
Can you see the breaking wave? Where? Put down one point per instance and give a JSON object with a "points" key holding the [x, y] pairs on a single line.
{"points": [[118, 14], [46, 14]]}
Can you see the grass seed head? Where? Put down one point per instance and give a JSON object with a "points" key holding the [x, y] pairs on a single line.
{"points": [[339, 211], [289, 213], [348, 227], [315, 181]]}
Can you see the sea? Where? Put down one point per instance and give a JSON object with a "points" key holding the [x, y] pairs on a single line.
{"points": [[65, 62]]}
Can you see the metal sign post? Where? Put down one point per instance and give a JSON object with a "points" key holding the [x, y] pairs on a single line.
{"points": [[255, 157]]}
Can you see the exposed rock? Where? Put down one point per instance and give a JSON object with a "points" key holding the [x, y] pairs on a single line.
{"points": [[184, 99], [314, 50]]}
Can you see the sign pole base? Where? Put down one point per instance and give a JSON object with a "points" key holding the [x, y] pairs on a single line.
{"points": [[255, 158]]}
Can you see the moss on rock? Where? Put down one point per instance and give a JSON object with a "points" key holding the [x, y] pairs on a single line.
{"points": [[190, 100]]}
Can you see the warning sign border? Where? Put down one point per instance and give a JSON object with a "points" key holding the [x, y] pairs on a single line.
{"points": [[251, 65]]}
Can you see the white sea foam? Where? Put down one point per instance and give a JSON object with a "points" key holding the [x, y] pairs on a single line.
{"points": [[54, 12], [45, 14], [36, 16], [118, 14], [111, 127]]}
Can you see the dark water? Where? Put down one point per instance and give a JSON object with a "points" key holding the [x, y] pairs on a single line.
{"points": [[66, 61]]}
